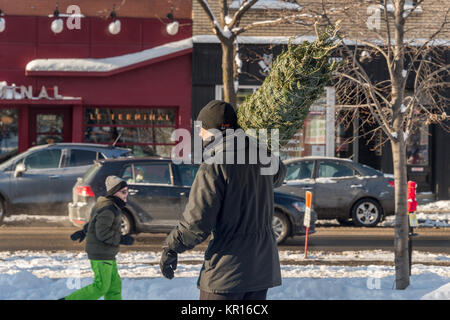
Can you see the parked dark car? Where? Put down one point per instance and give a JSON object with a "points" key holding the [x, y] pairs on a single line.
{"points": [[40, 180], [158, 193], [342, 189]]}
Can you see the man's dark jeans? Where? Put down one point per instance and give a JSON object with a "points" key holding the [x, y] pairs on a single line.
{"points": [[255, 295]]}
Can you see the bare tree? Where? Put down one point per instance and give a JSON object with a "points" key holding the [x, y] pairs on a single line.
{"points": [[227, 27], [396, 113]]}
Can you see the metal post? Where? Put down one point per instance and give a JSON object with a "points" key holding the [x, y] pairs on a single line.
{"points": [[307, 219], [410, 247]]}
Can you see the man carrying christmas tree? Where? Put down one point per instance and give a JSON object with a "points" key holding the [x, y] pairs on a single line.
{"points": [[103, 239], [233, 202]]}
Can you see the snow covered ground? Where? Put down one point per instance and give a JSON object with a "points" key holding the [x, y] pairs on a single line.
{"points": [[433, 214], [324, 275], [51, 275]]}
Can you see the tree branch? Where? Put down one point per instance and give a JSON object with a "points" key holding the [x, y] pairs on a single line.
{"points": [[219, 32], [246, 5], [268, 23]]}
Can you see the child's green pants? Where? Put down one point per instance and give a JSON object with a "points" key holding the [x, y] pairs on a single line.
{"points": [[107, 283]]}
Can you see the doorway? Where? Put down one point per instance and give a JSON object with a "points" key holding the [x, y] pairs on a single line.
{"points": [[418, 158], [50, 125]]}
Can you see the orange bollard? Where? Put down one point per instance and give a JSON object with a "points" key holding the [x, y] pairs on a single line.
{"points": [[307, 219]]}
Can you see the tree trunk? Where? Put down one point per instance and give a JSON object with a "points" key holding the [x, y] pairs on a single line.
{"points": [[229, 95], [401, 215], [399, 151]]}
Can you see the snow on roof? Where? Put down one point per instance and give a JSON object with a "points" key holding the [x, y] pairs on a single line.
{"points": [[254, 39], [107, 64], [268, 4], [297, 40]]}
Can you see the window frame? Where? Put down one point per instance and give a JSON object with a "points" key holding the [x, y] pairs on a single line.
{"points": [[356, 173], [299, 163], [129, 144], [178, 173], [67, 157], [171, 176]]}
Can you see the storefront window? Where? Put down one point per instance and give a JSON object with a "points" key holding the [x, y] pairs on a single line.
{"points": [[417, 147], [146, 131], [310, 140], [345, 139], [49, 128], [8, 133], [243, 92]]}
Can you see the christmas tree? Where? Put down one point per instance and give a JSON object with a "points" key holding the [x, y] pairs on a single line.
{"points": [[297, 78]]}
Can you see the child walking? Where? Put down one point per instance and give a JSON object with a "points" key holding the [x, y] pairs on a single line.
{"points": [[103, 239]]}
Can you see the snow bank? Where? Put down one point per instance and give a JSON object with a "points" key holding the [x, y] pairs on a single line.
{"points": [[47, 275], [437, 206], [25, 286], [442, 293], [146, 264], [434, 214]]}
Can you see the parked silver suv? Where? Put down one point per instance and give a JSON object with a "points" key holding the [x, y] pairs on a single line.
{"points": [[40, 180]]}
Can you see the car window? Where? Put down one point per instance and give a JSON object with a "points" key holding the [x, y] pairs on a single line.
{"points": [[371, 171], [333, 169], [91, 172], [44, 159], [81, 157], [187, 174], [299, 170], [127, 174], [155, 173]]}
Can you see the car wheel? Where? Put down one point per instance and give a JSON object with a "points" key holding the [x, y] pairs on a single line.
{"points": [[126, 226], [281, 226], [366, 213]]}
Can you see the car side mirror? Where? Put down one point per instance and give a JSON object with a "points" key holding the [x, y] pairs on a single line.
{"points": [[20, 168]]}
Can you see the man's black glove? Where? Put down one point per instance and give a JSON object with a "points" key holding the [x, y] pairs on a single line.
{"points": [[80, 235], [126, 240], [168, 263]]}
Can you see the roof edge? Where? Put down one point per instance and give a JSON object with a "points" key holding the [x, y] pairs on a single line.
{"points": [[108, 66]]}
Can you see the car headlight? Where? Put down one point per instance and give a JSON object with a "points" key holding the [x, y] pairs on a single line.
{"points": [[300, 206]]}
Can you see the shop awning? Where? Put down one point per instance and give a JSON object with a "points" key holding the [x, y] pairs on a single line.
{"points": [[108, 66]]}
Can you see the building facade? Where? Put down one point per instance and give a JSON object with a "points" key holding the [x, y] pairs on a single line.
{"points": [[93, 79], [324, 133]]}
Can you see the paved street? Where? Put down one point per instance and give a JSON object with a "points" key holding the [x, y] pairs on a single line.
{"points": [[435, 240]]}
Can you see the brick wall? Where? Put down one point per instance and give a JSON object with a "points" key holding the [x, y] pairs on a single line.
{"points": [[420, 24]]}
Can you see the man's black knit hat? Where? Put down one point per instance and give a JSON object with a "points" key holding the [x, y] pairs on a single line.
{"points": [[218, 115]]}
